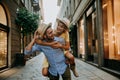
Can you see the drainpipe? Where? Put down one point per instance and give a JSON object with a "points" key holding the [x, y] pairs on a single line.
{"points": [[100, 33]]}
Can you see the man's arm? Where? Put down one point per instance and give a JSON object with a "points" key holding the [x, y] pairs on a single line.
{"points": [[29, 46], [28, 49]]}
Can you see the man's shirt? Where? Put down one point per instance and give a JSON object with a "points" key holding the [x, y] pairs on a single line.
{"points": [[55, 57]]}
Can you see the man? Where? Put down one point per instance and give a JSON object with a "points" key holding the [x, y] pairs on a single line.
{"points": [[55, 57]]}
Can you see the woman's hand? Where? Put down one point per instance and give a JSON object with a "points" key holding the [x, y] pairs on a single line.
{"points": [[56, 45]]}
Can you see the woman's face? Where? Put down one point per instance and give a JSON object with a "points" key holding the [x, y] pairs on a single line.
{"points": [[61, 27]]}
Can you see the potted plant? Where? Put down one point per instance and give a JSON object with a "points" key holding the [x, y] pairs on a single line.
{"points": [[28, 23]]}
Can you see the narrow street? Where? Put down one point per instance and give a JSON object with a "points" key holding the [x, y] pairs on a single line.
{"points": [[32, 71]]}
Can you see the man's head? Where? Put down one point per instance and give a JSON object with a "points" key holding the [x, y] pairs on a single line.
{"points": [[45, 31], [63, 24]]}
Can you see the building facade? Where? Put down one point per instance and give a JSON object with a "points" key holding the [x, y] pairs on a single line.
{"points": [[10, 35], [95, 28]]}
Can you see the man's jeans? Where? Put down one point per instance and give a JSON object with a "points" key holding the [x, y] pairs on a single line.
{"points": [[65, 76]]}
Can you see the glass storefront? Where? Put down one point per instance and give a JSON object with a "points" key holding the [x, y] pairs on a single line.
{"points": [[92, 41], [81, 39], [111, 26], [3, 38], [116, 28], [92, 54], [3, 48], [3, 19]]}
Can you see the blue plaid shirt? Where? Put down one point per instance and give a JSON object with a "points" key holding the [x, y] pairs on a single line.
{"points": [[55, 57]]}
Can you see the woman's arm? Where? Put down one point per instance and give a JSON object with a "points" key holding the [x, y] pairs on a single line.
{"points": [[62, 46], [66, 46], [40, 42], [52, 44]]}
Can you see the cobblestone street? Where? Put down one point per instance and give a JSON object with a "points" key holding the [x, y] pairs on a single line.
{"points": [[32, 71]]}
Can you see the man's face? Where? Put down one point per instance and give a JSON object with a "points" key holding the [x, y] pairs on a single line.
{"points": [[49, 34]]}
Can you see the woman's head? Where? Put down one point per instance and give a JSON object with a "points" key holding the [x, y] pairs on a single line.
{"points": [[63, 25]]}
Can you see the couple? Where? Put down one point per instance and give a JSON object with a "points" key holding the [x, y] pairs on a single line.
{"points": [[55, 56]]}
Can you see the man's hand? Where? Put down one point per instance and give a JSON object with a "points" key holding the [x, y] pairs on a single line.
{"points": [[35, 35], [29, 46]]}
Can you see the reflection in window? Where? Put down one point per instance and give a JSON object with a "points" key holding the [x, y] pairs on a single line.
{"points": [[3, 19], [82, 50], [111, 25], [117, 28], [3, 48]]}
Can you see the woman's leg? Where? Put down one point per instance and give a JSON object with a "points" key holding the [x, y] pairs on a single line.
{"points": [[72, 63], [45, 71], [45, 67], [70, 57]]}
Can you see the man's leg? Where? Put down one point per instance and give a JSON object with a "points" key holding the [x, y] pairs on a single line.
{"points": [[51, 77], [67, 74]]}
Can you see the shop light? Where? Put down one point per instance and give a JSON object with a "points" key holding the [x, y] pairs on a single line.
{"points": [[113, 34], [119, 53], [113, 42], [104, 5], [113, 27]]}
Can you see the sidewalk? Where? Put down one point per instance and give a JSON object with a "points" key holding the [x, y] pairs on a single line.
{"points": [[33, 67]]}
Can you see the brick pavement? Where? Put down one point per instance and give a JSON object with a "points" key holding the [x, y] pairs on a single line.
{"points": [[33, 67]]}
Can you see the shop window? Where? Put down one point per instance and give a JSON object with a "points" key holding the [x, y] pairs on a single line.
{"points": [[3, 19], [105, 28], [111, 25], [81, 33], [116, 27], [3, 48], [92, 54], [3, 38]]}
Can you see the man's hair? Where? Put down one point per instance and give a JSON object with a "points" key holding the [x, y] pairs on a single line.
{"points": [[46, 31]]}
